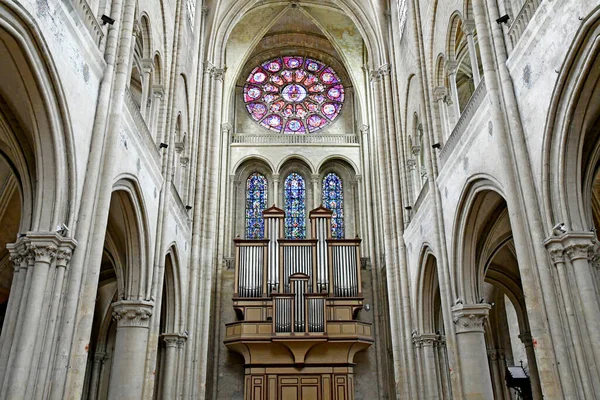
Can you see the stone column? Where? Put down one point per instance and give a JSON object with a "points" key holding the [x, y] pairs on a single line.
{"points": [[147, 69], [557, 256], [475, 371], [493, 361], [577, 246], [18, 257], [158, 93], [276, 193], [42, 250], [411, 166], [420, 370], [468, 27], [443, 368], [431, 383], [99, 359], [170, 365], [316, 191], [536, 388], [451, 67], [440, 93], [129, 357], [179, 364]]}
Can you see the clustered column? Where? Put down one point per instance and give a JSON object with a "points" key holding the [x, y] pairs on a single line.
{"points": [[32, 311]]}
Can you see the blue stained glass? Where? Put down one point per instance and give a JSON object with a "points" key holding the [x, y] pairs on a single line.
{"points": [[295, 207], [256, 203], [333, 199]]}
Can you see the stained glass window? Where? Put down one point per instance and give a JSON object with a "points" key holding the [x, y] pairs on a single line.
{"points": [[295, 207], [256, 203], [333, 199], [293, 95]]}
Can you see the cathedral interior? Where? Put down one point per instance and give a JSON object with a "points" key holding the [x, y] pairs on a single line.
{"points": [[299, 199]]}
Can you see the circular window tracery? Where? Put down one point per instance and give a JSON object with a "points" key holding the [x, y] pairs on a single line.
{"points": [[293, 95]]}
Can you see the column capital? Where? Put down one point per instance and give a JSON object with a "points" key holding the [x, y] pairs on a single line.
{"points": [[451, 66], [315, 177], [226, 128], [158, 91], [470, 317], [147, 65], [556, 251], [100, 357], [275, 177], [576, 245], [218, 73], [44, 246], [440, 92], [179, 147], [364, 129], [492, 354], [184, 161], [170, 339], [526, 339], [429, 339], [468, 27], [132, 313]]}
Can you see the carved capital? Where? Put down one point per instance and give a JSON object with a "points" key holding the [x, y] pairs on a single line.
{"points": [[100, 357], [411, 163], [384, 70], [147, 65], [158, 91], [63, 257], [375, 76], [132, 314], [578, 251], [468, 27], [492, 354], [43, 252], [451, 66], [557, 253], [364, 129], [470, 317], [184, 161], [226, 128], [439, 92], [429, 339], [218, 73], [170, 339], [526, 339]]}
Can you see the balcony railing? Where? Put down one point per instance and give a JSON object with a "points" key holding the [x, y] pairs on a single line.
{"points": [[270, 138], [465, 118], [521, 21]]}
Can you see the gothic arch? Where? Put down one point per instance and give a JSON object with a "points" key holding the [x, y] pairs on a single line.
{"points": [[40, 144], [129, 218], [456, 21], [468, 273], [426, 292], [571, 149]]}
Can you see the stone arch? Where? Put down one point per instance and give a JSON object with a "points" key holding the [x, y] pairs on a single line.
{"points": [[346, 171], [468, 273], [243, 171], [34, 126], [426, 292], [146, 36], [129, 220], [454, 25], [571, 149]]}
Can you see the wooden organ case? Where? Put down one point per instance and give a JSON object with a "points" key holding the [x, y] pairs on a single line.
{"points": [[297, 303]]}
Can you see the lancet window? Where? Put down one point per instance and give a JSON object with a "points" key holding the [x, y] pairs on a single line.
{"points": [[256, 203], [295, 206], [333, 199]]}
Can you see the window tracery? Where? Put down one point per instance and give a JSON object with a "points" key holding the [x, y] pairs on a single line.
{"points": [[333, 199], [293, 95], [256, 203], [295, 206]]}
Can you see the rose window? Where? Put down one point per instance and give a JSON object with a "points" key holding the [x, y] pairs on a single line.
{"points": [[293, 95]]}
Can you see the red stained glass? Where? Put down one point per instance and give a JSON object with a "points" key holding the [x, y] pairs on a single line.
{"points": [[293, 95]]}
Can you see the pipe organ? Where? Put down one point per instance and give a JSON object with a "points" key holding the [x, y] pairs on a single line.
{"points": [[297, 304]]}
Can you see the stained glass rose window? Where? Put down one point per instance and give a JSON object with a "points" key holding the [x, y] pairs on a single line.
{"points": [[293, 95]]}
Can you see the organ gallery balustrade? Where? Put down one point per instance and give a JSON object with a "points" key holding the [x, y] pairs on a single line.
{"points": [[297, 305]]}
